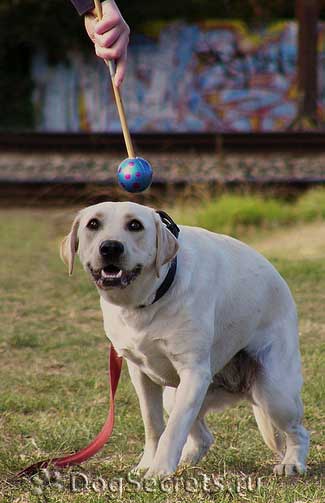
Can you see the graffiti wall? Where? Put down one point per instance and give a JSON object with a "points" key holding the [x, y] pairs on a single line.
{"points": [[216, 76]]}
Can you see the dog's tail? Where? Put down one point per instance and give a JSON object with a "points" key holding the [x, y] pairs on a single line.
{"points": [[273, 438]]}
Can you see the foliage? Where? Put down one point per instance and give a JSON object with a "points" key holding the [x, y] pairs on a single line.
{"points": [[312, 205], [52, 25], [26, 26], [234, 214]]}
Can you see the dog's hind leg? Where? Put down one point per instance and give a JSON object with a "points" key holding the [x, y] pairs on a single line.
{"points": [[198, 443], [278, 413], [278, 410]]}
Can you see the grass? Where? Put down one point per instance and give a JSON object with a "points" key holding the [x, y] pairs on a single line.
{"points": [[236, 214], [53, 392]]}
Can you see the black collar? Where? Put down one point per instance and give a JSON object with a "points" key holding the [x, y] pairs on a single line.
{"points": [[165, 285], [167, 281]]}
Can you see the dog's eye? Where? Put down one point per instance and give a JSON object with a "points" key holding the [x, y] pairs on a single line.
{"points": [[93, 224], [135, 226]]}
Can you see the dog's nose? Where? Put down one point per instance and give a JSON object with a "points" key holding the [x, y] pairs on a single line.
{"points": [[111, 249]]}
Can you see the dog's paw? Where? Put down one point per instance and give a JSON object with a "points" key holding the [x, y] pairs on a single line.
{"points": [[193, 453], [160, 471], [147, 459], [290, 469], [143, 465]]}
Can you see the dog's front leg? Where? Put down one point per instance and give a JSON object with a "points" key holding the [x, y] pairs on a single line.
{"points": [[151, 405], [190, 394]]}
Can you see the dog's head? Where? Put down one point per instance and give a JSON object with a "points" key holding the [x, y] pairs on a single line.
{"points": [[118, 244]]}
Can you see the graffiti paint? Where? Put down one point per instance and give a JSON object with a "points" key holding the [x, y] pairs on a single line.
{"points": [[212, 76]]}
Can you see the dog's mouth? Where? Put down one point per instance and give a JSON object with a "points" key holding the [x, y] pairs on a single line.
{"points": [[112, 276]]}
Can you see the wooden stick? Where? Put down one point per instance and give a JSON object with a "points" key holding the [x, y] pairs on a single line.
{"points": [[117, 94]]}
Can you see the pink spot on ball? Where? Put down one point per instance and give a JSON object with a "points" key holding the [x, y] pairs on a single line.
{"points": [[119, 170], [131, 163], [136, 185], [138, 174], [127, 176]]}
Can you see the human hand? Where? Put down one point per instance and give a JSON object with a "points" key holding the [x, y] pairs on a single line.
{"points": [[110, 36]]}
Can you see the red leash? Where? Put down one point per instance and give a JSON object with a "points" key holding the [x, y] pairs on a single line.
{"points": [[115, 366]]}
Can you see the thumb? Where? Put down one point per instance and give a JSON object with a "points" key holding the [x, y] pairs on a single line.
{"points": [[90, 23], [120, 69]]}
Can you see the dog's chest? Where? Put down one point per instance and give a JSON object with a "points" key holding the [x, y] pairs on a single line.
{"points": [[153, 362], [146, 349]]}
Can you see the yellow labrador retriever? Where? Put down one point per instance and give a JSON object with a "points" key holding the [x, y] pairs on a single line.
{"points": [[216, 326]]}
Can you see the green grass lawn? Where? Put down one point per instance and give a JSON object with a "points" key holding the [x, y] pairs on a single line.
{"points": [[53, 391]]}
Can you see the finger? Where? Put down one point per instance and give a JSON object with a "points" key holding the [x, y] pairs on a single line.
{"points": [[90, 27], [104, 53], [116, 50], [109, 38], [108, 23], [120, 69]]}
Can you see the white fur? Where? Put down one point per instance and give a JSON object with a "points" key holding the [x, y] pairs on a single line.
{"points": [[225, 297]]}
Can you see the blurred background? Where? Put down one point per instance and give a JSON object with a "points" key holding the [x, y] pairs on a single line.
{"points": [[204, 66], [225, 94]]}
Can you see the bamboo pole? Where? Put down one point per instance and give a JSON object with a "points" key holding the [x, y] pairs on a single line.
{"points": [[117, 94]]}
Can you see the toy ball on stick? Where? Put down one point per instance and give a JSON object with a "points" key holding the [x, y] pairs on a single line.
{"points": [[134, 174]]}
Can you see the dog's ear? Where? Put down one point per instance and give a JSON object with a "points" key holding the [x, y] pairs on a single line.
{"points": [[166, 244], [69, 245]]}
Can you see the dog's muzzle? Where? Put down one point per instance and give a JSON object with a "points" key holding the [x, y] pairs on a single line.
{"points": [[112, 276]]}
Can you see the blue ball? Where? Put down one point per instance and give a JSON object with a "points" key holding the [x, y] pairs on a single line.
{"points": [[134, 175]]}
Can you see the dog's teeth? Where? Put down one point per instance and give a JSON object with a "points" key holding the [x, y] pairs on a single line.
{"points": [[106, 274]]}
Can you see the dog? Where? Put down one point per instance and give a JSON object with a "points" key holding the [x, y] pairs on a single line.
{"points": [[203, 321]]}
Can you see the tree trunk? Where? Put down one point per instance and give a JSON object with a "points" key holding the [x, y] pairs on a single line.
{"points": [[307, 13]]}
